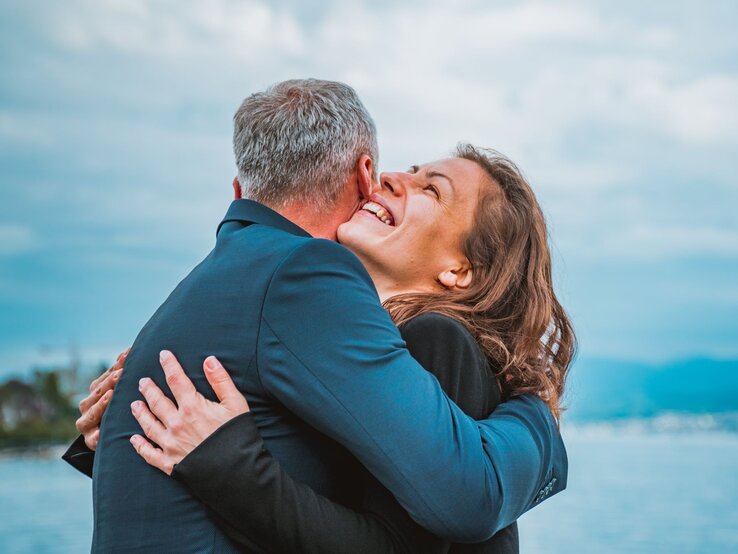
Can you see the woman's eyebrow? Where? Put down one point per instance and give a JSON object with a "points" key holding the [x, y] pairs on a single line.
{"points": [[437, 174]]}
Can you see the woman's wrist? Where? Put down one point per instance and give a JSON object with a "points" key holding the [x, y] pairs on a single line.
{"points": [[217, 452]]}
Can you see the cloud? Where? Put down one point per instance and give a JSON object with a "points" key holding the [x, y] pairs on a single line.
{"points": [[651, 242], [700, 111], [16, 239], [115, 126], [164, 30]]}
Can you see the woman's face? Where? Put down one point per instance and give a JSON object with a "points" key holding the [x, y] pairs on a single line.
{"points": [[409, 235]]}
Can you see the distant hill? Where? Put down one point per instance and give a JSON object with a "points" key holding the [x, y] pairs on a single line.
{"points": [[608, 389]]}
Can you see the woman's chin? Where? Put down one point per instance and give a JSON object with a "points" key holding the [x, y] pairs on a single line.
{"points": [[342, 233], [356, 231], [350, 234], [360, 239]]}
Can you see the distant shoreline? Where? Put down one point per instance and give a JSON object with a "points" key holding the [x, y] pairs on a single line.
{"points": [[47, 450], [666, 422]]}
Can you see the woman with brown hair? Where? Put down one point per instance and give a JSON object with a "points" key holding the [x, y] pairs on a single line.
{"points": [[509, 307], [458, 252]]}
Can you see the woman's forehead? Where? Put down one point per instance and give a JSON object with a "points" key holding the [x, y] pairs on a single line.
{"points": [[461, 167]]}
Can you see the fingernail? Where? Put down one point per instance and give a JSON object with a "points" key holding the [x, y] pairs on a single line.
{"points": [[143, 382], [211, 363], [116, 374], [134, 440], [164, 355], [135, 407]]}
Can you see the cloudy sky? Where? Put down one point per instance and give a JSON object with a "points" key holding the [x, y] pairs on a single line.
{"points": [[115, 160]]}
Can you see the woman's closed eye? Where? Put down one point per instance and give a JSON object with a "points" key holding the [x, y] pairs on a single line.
{"points": [[433, 189]]}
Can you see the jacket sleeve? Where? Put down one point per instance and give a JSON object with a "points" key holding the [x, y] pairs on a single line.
{"points": [[259, 506], [79, 456], [255, 500], [330, 353]]}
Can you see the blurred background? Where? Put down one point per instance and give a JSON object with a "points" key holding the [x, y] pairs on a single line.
{"points": [[116, 164]]}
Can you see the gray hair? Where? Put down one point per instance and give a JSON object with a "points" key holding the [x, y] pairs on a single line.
{"points": [[299, 140]]}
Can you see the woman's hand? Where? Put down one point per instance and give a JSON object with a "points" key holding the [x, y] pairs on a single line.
{"points": [[179, 428], [93, 406]]}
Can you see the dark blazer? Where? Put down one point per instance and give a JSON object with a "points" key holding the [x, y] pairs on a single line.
{"points": [[298, 323], [252, 497]]}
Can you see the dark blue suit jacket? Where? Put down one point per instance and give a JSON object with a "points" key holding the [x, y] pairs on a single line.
{"points": [[298, 323]]}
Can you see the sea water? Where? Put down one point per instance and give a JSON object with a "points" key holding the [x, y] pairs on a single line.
{"points": [[628, 491]]}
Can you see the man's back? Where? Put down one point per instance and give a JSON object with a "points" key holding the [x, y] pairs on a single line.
{"points": [[215, 310], [298, 320]]}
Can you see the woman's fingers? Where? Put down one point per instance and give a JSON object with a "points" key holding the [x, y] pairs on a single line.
{"points": [[95, 384], [94, 438], [224, 387], [118, 365], [108, 383], [151, 426], [89, 423], [90, 419], [92, 408], [153, 456], [163, 408], [182, 388]]}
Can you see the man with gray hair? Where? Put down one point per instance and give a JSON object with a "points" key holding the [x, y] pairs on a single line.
{"points": [[299, 140], [298, 323]]}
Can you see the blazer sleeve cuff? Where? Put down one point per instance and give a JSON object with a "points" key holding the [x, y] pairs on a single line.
{"points": [[80, 457], [213, 460]]}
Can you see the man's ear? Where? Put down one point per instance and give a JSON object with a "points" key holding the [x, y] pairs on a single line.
{"points": [[459, 277], [236, 189], [364, 173]]}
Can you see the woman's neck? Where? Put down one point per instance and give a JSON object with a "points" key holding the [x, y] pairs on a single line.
{"points": [[388, 285], [386, 288]]}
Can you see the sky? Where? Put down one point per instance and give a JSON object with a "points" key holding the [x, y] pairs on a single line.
{"points": [[116, 163]]}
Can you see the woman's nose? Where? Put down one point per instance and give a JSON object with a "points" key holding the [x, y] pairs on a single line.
{"points": [[394, 183]]}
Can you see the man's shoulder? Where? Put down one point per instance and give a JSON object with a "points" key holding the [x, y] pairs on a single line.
{"points": [[311, 258], [266, 239], [270, 250], [285, 247], [322, 249], [322, 283]]}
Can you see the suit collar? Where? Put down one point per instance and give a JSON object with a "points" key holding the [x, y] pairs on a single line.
{"points": [[248, 212]]}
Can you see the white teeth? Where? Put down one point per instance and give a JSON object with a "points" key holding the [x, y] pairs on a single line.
{"points": [[378, 210]]}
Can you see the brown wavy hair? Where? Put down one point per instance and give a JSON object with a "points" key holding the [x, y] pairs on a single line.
{"points": [[510, 306]]}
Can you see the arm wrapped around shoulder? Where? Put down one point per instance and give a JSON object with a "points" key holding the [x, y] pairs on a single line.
{"points": [[331, 354], [526, 449]]}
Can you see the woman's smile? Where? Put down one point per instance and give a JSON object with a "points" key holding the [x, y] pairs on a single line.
{"points": [[379, 207]]}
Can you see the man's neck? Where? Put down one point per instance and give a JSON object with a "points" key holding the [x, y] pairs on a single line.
{"points": [[321, 223], [307, 219]]}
